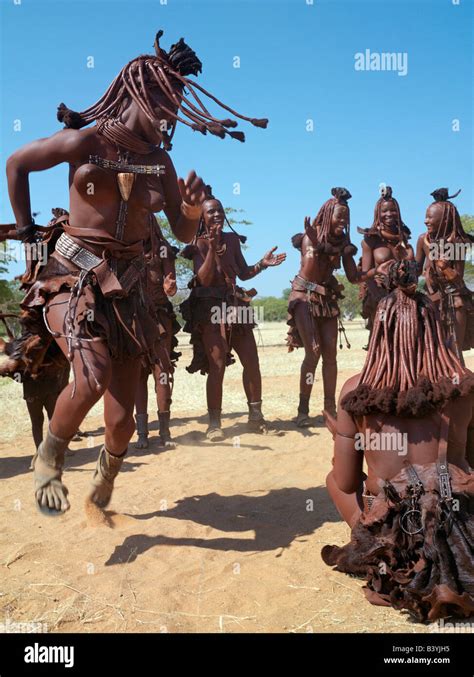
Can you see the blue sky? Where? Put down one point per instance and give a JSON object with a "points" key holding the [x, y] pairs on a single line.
{"points": [[296, 63]]}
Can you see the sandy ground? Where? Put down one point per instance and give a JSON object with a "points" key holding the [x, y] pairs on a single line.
{"points": [[204, 538]]}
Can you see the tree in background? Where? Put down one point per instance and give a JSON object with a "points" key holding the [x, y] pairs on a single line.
{"points": [[350, 305], [276, 309], [272, 308], [184, 267], [10, 293]]}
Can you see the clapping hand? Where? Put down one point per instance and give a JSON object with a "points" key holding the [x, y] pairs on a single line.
{"points": [[271, 260]]}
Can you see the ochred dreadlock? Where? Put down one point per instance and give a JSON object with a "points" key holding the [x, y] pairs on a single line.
{"points": [[409, 370], [202, 226], [451, 227], [167, 71], [320, 235], [387, 196], [324, 216]]}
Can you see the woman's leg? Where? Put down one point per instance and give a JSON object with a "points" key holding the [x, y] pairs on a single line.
{"points": [[91, 364], [141, 409], [328, 333], [35, 410], [216, 350], [306, 327], [91, 367], [119, 400], [163, 394], [460, 329], [246, 349]]}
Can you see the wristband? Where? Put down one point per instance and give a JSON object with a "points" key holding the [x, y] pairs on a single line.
{"points": [[25, 231]]}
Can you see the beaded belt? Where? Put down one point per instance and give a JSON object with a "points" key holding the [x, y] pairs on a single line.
{"points": [[81, 257]]}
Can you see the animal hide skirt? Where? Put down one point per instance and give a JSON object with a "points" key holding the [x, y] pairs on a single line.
{"points": [[415, 549]]}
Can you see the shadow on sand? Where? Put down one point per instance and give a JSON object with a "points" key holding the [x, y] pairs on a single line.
{"points": [[277, 518]]}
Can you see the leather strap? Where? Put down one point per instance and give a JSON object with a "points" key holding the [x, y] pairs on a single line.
{"points": [[106, 278], [101, 241], [310, 286], [443, 468]]}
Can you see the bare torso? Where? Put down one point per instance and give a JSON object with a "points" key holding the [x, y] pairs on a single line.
{"points": [[231, 260], [95, 196], [427, 264], [375, 252], [420, 438], [422, 444], [316, 267]]}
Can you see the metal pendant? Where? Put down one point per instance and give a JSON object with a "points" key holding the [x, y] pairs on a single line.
{"points": [[412, 522], [125, 182]]}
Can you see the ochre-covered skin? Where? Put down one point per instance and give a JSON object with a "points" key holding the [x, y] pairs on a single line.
{"points": [[97, 214], [218, 262], [160, 284], [424, 396], [118, 173], [385, 241], [313, 314], [444, 277]]}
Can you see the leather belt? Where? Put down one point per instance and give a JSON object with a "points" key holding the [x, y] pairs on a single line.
{"points": [[88, 261], [311, 286]]}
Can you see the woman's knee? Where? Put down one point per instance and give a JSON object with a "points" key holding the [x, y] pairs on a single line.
{"points": [[311, 358], [329, 354], [217, 366], [120, 423]]}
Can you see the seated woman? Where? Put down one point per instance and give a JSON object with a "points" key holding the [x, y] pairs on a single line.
{"points": [[408, 414]]}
